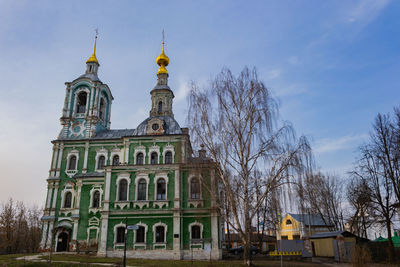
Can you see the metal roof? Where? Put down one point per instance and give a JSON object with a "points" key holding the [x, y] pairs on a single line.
{"points": [[333, 234], [113, 134], [171, 126], [313, 219]]}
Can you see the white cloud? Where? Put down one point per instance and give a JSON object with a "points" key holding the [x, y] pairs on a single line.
{"points": [[366, 11], [273, 74], [327, 145], [183, 89]]}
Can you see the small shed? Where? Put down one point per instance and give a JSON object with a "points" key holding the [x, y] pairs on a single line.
{"points": [[337, 245]]}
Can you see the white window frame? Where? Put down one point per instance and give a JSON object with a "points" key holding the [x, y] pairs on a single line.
{"points": [[155, 149], [196, 223], [156, 178], [169, 148], [137, 179], [71, 153], [189, 187], [95, 188], [140, 244], [88, 233], [137, 150], [165, 234], [115, 151], [76, 93], [67, 188], [121, 224], [123, 176], [101, 152]]}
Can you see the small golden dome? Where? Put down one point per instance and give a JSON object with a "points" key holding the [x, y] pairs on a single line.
{"points": [[93, 56], [162, 61]]}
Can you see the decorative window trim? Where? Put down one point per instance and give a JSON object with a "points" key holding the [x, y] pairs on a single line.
{"points": [[88, 233], [115, 151], [195, 202], [158, 202], [196, 223], [145, 236], [123, 203], [76, 93], [155, 149], [68, 188], [105, 108], [169, 148], [121, 224], [94, 221], [163, 244], [141, 203], [139, 149], [95, 188], [101, 152], [71, 173]]}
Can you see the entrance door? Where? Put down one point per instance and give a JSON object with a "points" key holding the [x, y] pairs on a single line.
{"points": [[62, 242]]}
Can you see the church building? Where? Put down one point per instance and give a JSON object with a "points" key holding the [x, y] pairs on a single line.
{"points": [[102, 180]]}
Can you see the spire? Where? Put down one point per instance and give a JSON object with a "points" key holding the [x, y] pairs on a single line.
{"points": [[162, 60], [93, 57]]}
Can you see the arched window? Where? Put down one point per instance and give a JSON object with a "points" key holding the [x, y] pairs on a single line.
{"points": [[196, 232], [120, 234], [168, 157], [153, 158], [160, 107], [68, 200], [288, 222], [142, 187], [102, 109], [160, 234], [96, 199], [72, 163], [115, 160], [81, 102], [140, 158], [123, 190], [140, 235], [194, 188], [101, 162], [161, 189]]}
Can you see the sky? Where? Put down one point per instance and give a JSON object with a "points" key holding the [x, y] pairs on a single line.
{"points": [[332, 65]]}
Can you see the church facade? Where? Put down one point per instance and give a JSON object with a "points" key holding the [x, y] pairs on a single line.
{"points": [[102, 180]]}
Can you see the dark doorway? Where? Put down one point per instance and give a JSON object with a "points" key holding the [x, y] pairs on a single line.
{"points": [[313, 249], [62, 242]]}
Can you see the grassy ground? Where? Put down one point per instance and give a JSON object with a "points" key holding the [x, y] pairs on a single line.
{"points": [[172, 263]]}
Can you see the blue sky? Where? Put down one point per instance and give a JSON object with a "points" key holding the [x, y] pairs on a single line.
{"points": [[333, 65]]}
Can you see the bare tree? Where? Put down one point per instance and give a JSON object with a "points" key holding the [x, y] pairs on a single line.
{"points": [[359, 198], [236, 119], [20, 228], [322, 194], [369, 168]]}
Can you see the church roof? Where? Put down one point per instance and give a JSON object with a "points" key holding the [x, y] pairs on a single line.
{"points": [[114, 134], [171, 126], [90, 76]]}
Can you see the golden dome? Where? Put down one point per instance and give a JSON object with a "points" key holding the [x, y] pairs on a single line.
{"points": [[162, 61], [93, 56]]}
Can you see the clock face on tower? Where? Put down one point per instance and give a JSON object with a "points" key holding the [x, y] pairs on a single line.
{"points": [[77, 129]]}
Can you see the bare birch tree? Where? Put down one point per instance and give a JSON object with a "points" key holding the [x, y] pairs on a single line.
{"points": [[236, 119]]}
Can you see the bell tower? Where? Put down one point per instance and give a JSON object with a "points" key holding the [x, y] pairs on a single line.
{"points": [[162, 95], [87, 105]]}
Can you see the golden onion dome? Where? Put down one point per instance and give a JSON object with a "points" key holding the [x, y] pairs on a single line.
{"points": [[162, 61], [93, 56]]}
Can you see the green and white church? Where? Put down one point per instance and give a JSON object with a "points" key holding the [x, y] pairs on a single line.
{"points": [[103, 179]]}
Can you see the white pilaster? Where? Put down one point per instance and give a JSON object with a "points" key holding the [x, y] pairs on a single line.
{"points": [[75, 231], [44, 234], [48, 199], [54, 161], [177, 240], [78, 196], [49, 235], [55, 191], [104, 216], [214, 231], [85, 158], [60, 155], [126, 156], [177, 190]]}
